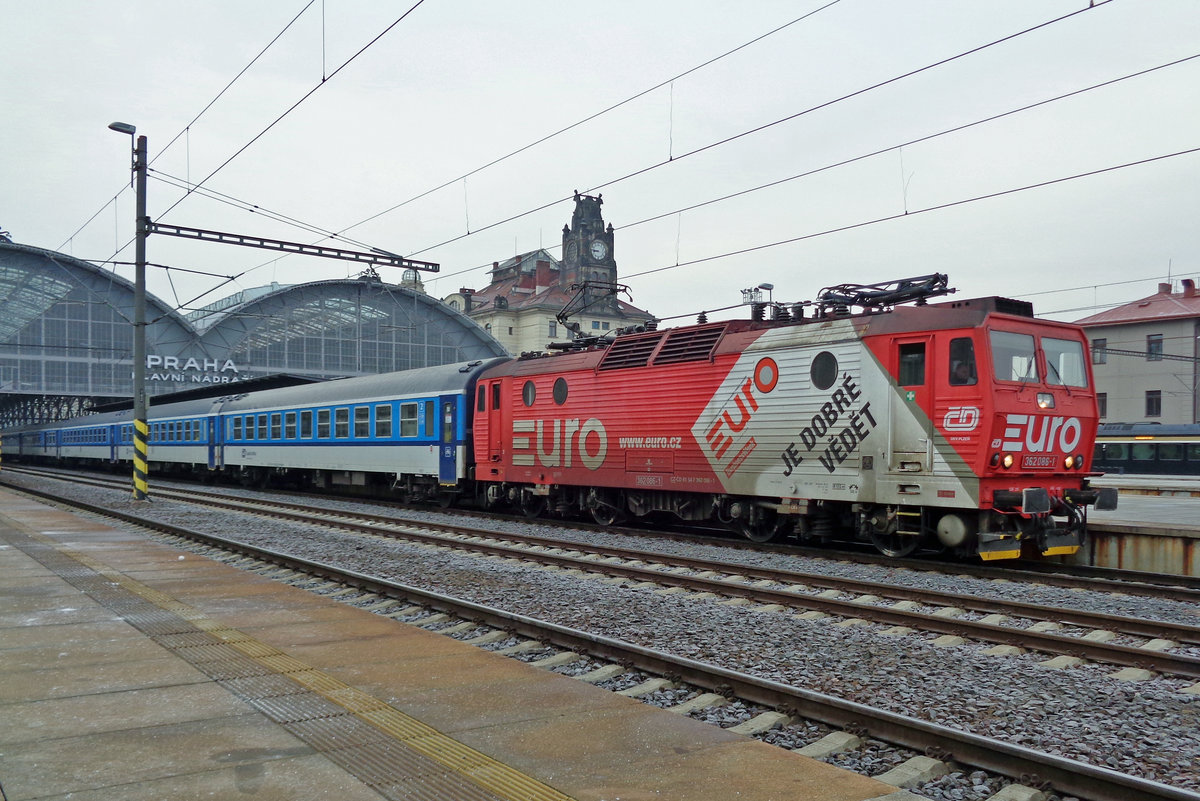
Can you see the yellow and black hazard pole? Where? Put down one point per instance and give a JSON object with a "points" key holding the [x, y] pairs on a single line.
{"points": [[141, 465], [141, 448]]}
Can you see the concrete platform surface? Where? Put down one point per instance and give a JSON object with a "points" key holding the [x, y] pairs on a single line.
{"points": [[133, 670]]}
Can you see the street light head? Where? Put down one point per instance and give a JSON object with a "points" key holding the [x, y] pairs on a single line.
{"points": [[122, 127], [767, 287]]}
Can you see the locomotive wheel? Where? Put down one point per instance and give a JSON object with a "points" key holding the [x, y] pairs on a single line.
{"points": [[894, 544], [606, 515], [764, 528], [532, 505]]}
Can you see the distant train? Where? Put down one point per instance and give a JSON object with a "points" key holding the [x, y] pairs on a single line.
{"points": [[1150, 448], [964, 425]]}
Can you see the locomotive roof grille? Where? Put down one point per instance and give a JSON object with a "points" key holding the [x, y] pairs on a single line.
{"points": [[630, 352], [667, 347], [689, 345]]}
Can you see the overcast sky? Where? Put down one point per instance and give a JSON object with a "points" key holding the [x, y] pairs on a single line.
{"points": [[458, 84]]}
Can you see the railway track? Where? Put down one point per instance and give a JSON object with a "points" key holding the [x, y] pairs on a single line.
{"points": [[1028, 765], [1006, 624], [1054, 574]]}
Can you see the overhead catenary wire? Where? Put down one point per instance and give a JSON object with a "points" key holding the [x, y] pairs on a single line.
{"points": [[766, 126], [324, 80], [914, 213], [195, 119]]}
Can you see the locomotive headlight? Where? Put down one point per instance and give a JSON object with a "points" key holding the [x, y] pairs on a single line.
{"points": [[1045, 400], [1069, 462], [1008, 460]]}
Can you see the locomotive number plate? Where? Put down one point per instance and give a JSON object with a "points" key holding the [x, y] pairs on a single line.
{"points": [[1037, 462]]}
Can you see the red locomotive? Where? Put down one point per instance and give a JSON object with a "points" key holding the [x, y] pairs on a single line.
{"points": [[965, 423]]}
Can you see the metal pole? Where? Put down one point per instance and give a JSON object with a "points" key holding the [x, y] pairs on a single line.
{"points": [[141, 431]]}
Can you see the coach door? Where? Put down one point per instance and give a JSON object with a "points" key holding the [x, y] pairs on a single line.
{"points": [[911, 428], [214, 443], [447, 440]]}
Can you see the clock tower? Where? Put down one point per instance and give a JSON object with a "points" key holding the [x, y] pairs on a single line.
{"points": [[587, 245]]}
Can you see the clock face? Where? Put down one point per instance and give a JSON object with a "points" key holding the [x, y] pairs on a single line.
{"points": [[598, 250], [572, 252]]}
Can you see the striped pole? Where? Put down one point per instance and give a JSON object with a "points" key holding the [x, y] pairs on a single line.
{"points": [[141, 462]]}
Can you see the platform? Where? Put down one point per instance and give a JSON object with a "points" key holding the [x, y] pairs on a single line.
{"points": [[133, 670]]}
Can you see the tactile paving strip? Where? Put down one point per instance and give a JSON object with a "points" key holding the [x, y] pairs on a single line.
{"points": [[397, 755]]}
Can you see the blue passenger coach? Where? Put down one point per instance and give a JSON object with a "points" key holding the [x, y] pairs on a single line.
{"points": [[409, 430]]}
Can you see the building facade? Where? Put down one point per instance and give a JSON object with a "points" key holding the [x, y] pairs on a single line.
{"points": [[521, 303], [1146, 357]]}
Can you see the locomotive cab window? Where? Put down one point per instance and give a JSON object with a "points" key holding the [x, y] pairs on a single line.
{"points": [[962, 362], [1064, 362], [912, 364], [481, 399], [1013, 357]]}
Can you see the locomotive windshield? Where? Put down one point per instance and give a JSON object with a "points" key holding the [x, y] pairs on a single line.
{"points": [[1064, 362], [1015, 359], [1013, 356]]}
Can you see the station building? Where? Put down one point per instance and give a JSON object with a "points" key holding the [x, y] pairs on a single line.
{"points": [[521, 303], [66, 335]]}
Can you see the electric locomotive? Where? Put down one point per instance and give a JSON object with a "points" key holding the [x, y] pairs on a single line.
{"points": [[965, 424]]}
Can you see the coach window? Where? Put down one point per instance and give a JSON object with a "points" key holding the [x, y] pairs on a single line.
{"points": [[362, 422], [289, 425], [431, 418], [276, 425], [306, 429], [408, 419], [1170, 451], [262, 426], [249, 427], [323, 424], [383, 421], [962, 361], [1143, 451], [341, 423], [912, 364]]}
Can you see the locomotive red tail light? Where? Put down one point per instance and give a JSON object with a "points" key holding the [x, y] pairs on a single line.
{"points": [[995, 459]]}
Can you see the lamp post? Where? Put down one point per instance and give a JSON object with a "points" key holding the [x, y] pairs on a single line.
{"points": [[141, 466]]}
